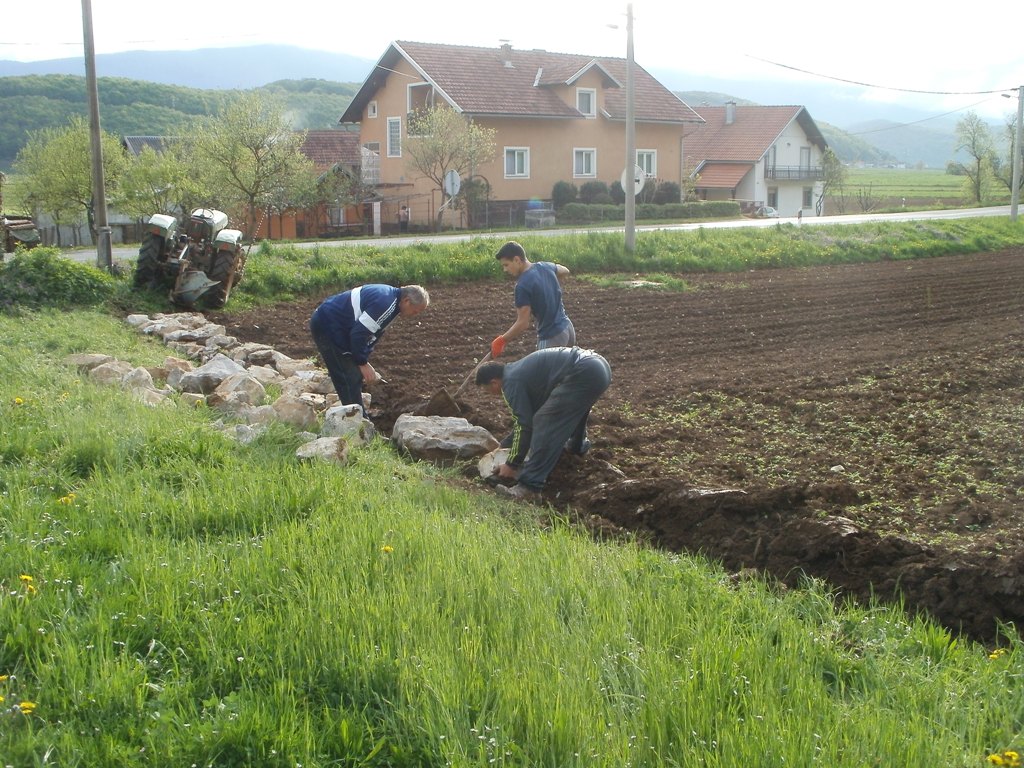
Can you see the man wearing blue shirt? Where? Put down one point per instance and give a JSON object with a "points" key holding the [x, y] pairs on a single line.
{"points": [[347, 326], [538, 295]]}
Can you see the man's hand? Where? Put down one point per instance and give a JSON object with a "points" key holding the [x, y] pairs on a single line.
{"points": [[507, 471], [370, 376], [497, 346]]}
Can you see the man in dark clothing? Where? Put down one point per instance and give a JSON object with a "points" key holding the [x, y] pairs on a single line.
{"points": [[347, 326], [538, 295], [550, 393]]}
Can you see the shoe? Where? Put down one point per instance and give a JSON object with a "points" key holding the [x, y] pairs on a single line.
{"points": [[518, 491], [581, 451]]}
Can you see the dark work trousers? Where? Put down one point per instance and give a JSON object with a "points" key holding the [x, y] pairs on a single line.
{"points": [[563, 417], [344, 373]]}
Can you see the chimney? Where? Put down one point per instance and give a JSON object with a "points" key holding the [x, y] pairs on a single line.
{"points": [[506, 54], [730, 112]]}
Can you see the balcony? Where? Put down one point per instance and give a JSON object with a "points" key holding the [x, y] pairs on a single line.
{"points": [[794, 172]]}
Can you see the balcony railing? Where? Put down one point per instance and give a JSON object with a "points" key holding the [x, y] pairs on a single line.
{"points": [[794, 172]]}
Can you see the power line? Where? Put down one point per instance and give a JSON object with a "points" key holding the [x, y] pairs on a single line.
{"points": [[883, 87]]}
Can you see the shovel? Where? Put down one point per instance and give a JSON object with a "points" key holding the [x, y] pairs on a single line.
{"points": [[443, 404]]}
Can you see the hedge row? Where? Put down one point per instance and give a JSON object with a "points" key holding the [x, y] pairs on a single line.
{"points": [[581, 213]]}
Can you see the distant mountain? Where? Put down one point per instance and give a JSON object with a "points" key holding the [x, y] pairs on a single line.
{"points": [[214, 68], [897, 133], [135, 107], [872, 142]]}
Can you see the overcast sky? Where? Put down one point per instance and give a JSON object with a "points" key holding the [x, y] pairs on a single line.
{"points": [[901, 45]]}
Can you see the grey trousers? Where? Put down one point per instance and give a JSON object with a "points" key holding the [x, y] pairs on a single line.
{"points": [[567, 338], [563, 418]]}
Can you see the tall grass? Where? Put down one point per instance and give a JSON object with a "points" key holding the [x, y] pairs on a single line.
{"points": [[169, 597], [279, 271]]}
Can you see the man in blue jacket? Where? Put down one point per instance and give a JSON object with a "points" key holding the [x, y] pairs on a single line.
{"points": [[347, 326], [550, 393]]}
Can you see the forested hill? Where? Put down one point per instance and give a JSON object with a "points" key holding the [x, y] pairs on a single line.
{"points": [[134, 107]]}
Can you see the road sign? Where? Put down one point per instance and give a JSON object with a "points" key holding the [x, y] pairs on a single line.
{"points": [[639, 177], [452, 183]]}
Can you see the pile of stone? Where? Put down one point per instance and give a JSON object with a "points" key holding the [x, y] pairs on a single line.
{"points": [[215, 370]]}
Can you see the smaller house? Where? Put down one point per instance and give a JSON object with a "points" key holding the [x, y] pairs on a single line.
{"points": [[757, 156], [336, 155]]}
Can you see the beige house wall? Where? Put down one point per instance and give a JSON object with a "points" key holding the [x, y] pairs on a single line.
{"points": [[550, 143]]}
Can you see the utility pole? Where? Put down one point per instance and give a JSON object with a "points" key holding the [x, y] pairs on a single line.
{"points": [[630, 137], [1015, 191], [99, 198]]}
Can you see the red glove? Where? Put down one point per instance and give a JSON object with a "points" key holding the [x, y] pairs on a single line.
{"points": [[497, 346]]}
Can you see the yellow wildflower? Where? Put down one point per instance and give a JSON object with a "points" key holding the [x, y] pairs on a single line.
{"points": [[3, 678], [69, 499], [995, 759], [997, 653], [387, 548], [27, 707], [18, 401], [27, 583]]}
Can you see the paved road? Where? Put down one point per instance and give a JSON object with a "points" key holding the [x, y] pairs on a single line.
{"points": [[126, 253]]}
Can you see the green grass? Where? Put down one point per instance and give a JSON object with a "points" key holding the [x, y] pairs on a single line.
{"points": [[171, 597], [906, 182]]}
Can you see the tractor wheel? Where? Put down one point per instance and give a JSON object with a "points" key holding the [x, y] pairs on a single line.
{"points": [[147, 268], [223, 268]]}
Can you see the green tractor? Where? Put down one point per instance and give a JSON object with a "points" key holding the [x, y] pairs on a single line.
{"points": [[204, 260]]}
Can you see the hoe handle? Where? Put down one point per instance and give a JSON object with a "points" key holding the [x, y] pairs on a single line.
{"points": [[465, 381]]}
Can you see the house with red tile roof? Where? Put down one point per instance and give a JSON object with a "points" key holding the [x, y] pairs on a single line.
{"points": [[556, 117], [758, 156]]}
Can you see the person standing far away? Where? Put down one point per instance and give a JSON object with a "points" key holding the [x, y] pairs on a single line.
{"points": [[403, 219], [538, 294], [347, 326], [550, 393]]}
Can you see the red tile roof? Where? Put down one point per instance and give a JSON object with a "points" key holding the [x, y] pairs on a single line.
{"points": [[512, 83], [332, 147], [752, 132], [723, 175]]}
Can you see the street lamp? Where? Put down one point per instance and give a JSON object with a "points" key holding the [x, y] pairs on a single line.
{"points": [[1015, 191], [630, 137]]}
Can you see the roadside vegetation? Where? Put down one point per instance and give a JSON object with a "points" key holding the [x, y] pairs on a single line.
{"points": [[171, 597]]}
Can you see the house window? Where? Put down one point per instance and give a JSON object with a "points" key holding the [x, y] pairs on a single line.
{"points": [[584, 163], [371, 110], [586, 101], [371, 163], [394, 137], [648, 160], [517, 162], [808, 197], [805, 157], [773, 197], [420, 100], [336, 216]]}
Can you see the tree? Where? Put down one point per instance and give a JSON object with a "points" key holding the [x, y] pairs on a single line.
{"points": [[56, 169], [834, 173], [975, 138], [251, 158], [441, 140], [167, 181], [1002, 169]]}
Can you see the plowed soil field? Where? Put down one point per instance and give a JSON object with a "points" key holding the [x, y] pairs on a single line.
{"points": [[861, 424]]}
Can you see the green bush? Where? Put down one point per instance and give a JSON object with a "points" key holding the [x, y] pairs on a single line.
{"points": [[562, 194], [594, 192], [581, 213], [667, 192], [42, 277]]}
